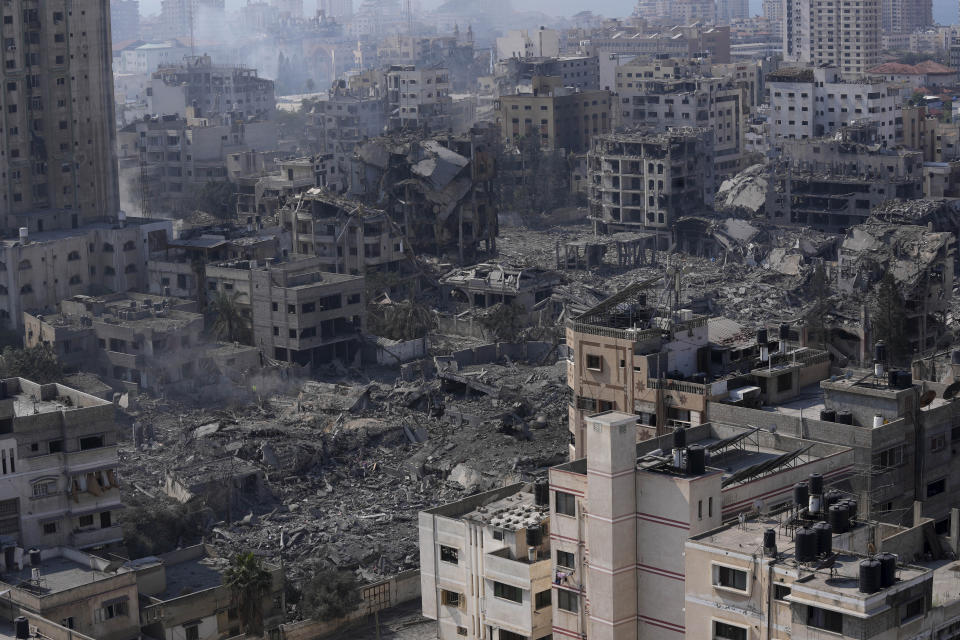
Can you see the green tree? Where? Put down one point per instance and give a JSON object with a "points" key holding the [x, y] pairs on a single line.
{"points": [[249, 584], [39, 364], [330, 595], [889, 320], [228, 321]]}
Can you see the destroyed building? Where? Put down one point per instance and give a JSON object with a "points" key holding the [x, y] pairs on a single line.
{"points": [[484, 285], [298, 311], [647, 182], [439, 192], [59, 463], [922, 263], [831, 184], [347, 236], [260, 196]]}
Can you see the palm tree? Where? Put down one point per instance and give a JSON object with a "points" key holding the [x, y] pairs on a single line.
{"points": [[228, 321], [249, 584]]}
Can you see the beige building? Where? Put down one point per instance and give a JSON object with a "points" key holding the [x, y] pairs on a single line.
{"points": [[419, 98], [554, 116], [299, 312], [938, 141], [485, 565], [841, 33], [59, 462], [56, 148], [621, 516]]}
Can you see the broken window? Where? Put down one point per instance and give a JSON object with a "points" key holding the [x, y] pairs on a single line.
{"points": [[91, 442], [449, 554]]}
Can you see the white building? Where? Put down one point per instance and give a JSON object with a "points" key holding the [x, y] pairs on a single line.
{"points": [[843, 33], [485, 565], [519, 43], [813, 103], [149, 57]]}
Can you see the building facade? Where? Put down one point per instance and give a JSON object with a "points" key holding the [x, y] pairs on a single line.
{"points": [[841, 33]]}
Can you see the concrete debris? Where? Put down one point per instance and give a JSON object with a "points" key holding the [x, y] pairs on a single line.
{"points": [[744, 193]]}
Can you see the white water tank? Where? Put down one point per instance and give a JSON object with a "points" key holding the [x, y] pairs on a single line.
{"points": [[24, 235]]}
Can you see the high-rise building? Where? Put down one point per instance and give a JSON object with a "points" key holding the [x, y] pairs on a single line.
{"points": [[337, 9], [56, 146], [124, 20], [180, 18], [730, 10], [291, 8], [843, 33], [773, 12], [906, 16]]}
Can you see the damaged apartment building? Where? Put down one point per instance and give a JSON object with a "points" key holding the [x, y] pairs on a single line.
{"points": [[439, 192], [647, 182], [299, 311], [832, 183]]}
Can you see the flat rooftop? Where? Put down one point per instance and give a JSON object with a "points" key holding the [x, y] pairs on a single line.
{"points": [[518, 511], [191, 576], [30, 398], [56, 574], [40, 237]]}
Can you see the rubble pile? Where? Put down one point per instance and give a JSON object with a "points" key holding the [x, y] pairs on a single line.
{"points": [[344, 467]]}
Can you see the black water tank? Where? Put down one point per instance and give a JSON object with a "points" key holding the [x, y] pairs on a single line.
{"points": [[762, 337], [806, 545], [534, 537], [696, 460], [839, 517], [831, 498], [905, 380], [844, 417], [679, 438], [892, 375], [828, 415], [22, 627], [801, 495], [784, 331], [852, 507], [824, 533], [541, 493], [870, 576], [816, 484], [35, 558], [770, 540], [880, 351], [888, 569]]}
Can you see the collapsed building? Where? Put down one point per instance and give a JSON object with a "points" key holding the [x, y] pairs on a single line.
{"points": [[439, 192], [832, 183], [647, 182], [484, 285]]}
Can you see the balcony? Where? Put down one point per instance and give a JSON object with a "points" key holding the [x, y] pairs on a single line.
{"points": [[96, 537]]}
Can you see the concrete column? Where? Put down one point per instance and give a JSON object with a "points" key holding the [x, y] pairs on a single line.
{"points": [[954, 529], [612, 526], [917, 512]]}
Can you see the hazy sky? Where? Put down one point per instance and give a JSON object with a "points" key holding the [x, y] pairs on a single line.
{"points": [[944, 11]]}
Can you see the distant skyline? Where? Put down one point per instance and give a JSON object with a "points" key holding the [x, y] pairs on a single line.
{"points": [[944, 11]]}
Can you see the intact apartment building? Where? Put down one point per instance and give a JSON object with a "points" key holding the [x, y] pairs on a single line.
{"points": [[485, 567], [645, 182], [692, 38], [419, 98], [813, 103], [833, 183], [660, 94], [57, 143], [212, 89], [841, 33], [299, 312], [938, 141], [58, 457], [555, 116], [140, 340]]}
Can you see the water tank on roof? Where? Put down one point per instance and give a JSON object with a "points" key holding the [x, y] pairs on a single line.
{"points": [[815, 482], [541, 493], [22, 627], [839, 517], [888, 569], [904, 380], [696, 460], [770, 542], [844, 417], [870, 576], [806, 545], [801, 495], [784, 331], [852, 508], [762, 336], [880, 352], [679, 438], [824, 533], [828, 415]]}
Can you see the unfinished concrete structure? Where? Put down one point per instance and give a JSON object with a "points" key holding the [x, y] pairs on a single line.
{"points": [[633, 506], [299, 311], [439, 192], [831, 184], [58, 457], [646, 182], [504, 596], [484, 285]]}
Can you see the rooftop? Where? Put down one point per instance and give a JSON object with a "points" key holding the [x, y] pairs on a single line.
{"points": [[56, 574], [517, 511], [29, 398], [191, 576]]}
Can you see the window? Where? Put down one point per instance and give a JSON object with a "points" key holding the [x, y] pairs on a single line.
{"points": [[55, 446], [449, 554], [939, 442], [497, 534], [729, 578], [892, 457], [49, 528], [461, 631], [543, 599], [85, 521], [566, 560], [192, 632], [822, 619], [292, 308], [91, 442], [507, 592], [111, 609], [44, 488], [912, 609], [594, 363], [450, 598], [309, 307], [780, 591], [724, 631], [567, 600], [566, 504], [937, 487]]}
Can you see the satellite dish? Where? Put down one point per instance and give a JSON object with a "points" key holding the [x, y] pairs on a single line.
{"points": [[927, 397], [951, 390]]}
